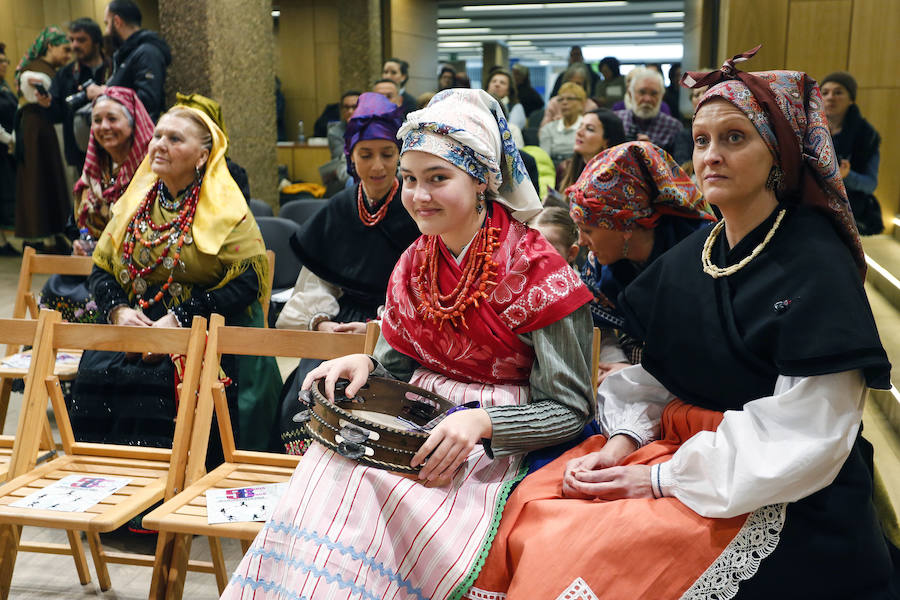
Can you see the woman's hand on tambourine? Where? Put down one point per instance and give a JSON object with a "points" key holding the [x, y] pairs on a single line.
{"points": [[450, 443], [613, 483], [355, 367]]}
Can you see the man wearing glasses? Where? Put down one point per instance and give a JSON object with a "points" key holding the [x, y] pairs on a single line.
{"points": [[336, 129]]}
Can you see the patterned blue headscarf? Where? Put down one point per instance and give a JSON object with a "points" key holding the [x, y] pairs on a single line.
{"points": [[467, 128]]}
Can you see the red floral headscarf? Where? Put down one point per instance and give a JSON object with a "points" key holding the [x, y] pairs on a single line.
{"points": [[633, 184]]}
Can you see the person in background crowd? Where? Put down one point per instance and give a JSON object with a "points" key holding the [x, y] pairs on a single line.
{"points": [[336, 129], [348, 249], [558, 137], [627, 102], [446, 78], [600, 129], [560, 230], [576, 59], [856, 143], [90, 64], [644, 121], [529, 97], [672, 97], [42, 196], [613, 86], [389, 89], [121, 130], [683, 144], [8, 106], [142, 58], [398, 70], [461, 80], [502, 87]]}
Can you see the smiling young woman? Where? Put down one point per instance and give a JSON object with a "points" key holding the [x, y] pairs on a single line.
{"points": [[481, 310]]}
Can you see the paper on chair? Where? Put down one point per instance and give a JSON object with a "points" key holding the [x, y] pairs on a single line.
{"points": [[243, 504], [73, 493]]}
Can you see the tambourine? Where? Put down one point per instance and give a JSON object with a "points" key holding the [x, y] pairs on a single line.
{"points": [[383, 426]]}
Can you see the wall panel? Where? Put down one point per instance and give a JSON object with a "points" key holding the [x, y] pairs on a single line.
{"points": [[874, 57], [819, 36], [745, 24]]}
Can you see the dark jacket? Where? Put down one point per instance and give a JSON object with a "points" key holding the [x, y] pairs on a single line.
{"points": [[140, 64], [66, 83]]}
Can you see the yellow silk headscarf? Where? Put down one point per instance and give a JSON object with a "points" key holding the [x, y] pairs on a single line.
{"points": [[224, 231]]}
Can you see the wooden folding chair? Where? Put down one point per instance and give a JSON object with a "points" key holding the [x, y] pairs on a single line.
{"points": [[156, 473], [268, 299], [26, 305], [595, 360], [185, 514]]}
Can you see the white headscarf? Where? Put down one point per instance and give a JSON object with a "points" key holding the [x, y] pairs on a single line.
{"points": [[467, 128]]}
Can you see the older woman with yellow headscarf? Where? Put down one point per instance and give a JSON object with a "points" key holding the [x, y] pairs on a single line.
{"points": [[181, 242]]}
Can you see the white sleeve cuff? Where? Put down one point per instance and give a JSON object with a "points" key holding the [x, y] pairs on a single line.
{"points": [[661, 480]]}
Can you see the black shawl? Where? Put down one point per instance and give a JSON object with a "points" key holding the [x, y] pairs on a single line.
{"points": [[797, 309], [336, 246]]}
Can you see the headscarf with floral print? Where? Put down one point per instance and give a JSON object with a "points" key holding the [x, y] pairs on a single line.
{"points": [[632, 185], [787, 110], [468, 129], [50, 36]]}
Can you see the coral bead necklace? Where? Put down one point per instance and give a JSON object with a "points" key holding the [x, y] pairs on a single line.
{"points": [[369, 219], [142, 232], [477, 273]]}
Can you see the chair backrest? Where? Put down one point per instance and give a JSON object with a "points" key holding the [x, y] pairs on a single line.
{"points": [[595, 359], [268, 299], [260, 208], [17, 332], [299, 211], [55, 334], [276, 233], [42, 264], [251, 341]]}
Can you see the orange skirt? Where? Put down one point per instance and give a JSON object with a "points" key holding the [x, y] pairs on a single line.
{"points": [[550, 547]]}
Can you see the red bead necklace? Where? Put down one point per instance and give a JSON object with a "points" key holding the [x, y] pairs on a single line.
{"points": [[174, 234], [478, 270], [368, 219]]}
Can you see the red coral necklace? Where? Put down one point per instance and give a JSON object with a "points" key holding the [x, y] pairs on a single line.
{"points": [[368, 219], [476, 277]]}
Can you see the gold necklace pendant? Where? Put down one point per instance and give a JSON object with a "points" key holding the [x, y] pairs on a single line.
{"points": [[715, 271]]}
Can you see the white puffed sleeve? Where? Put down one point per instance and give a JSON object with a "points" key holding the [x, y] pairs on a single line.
{"points": [[631, 402], [312, 296], [777, 449]]}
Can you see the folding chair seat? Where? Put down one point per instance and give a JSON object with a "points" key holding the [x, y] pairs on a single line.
{"points": [[155, 473], [185, 515]]}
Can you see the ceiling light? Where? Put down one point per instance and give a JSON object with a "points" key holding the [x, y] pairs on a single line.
{"points": [[519, 43], [276, 13], [537, 6], [458, 44], [635, 52], [584, 4], [670, 25], [464, 30], [590, 35], [668, 15], [453, 21], [486, 7], [544, 62]]}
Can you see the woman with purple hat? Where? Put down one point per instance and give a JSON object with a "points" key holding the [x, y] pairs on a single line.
{"points": [[349, 247], [731, 464]]}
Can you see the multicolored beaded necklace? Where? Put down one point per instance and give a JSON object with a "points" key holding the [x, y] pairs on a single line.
{"points": [[142, 231], [477, 272], [368, 219]]}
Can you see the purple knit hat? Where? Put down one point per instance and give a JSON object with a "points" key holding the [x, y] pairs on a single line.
{"points": [[375, 118]]}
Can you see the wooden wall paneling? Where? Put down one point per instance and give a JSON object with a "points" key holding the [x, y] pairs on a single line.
{"points": [[874, 57], [879, 107], [818, 36], [8, 37], [296, 64], [747, 23], [85, 8], [57, 12]]}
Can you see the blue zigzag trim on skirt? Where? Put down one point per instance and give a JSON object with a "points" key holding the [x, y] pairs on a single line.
{"points": [[266, 586], [312, 536]]}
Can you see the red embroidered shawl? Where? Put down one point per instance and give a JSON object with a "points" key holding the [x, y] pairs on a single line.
{"points": [[535, 287]]}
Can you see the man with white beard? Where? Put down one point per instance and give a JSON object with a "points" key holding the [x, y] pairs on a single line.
{"points": [[643, 121]]}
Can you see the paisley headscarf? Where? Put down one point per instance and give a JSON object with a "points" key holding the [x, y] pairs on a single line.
{"points": [[467, 128], [631, 185], [50, 36], [787, 110], [375, 118], [97, 200]]}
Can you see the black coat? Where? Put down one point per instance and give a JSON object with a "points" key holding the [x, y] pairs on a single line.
{"points": [[140, 64], [66, 82]]}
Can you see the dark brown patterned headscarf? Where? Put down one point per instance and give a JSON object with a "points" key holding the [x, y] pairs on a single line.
{"points": [[787, 110]]}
